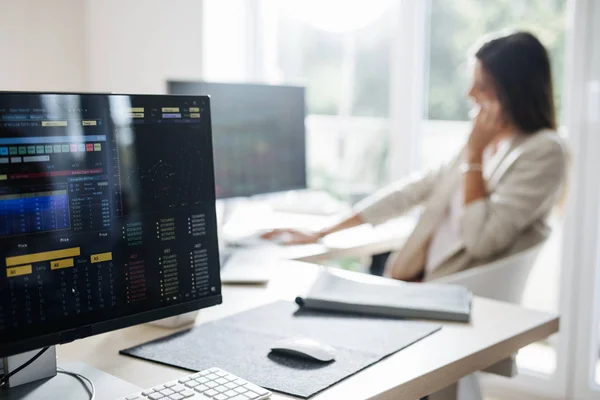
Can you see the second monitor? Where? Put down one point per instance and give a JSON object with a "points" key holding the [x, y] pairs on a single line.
{"points": [[259, 136]]}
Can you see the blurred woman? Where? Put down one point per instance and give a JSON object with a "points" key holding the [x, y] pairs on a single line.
{"points": [[493, 199]]}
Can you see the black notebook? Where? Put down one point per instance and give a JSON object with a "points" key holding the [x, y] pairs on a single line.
{"points": [[344, 291]]}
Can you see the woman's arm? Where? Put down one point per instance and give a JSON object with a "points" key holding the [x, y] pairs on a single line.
{"points": [[400, 197], [389, 202], [490, 224], [294, 236], [474, 183], [487, 127], [352, 221]]}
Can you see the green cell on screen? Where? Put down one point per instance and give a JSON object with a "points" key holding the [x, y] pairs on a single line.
{"points": [[65, 148], [48, 149], [22, 150], [39, 149], [14, 151], [57, 148], [30, 149]]}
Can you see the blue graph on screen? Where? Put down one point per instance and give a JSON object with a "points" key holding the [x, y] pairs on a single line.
{"points": [[34, 212]]}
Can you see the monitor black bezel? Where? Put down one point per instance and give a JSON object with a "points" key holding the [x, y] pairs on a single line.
{"points": [[171, 88], [63, 336]]}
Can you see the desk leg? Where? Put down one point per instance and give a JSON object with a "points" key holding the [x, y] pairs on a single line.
{"points": [[466, 389], [507, 367], [448, 393]]}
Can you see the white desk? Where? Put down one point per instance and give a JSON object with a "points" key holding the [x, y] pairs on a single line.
{"points": [[497, 330]]}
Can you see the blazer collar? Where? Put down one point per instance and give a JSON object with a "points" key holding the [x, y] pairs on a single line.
{"points": [[507, 160]]}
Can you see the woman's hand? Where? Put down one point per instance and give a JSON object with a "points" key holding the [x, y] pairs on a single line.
{"points": [[486, 126], [291, 236]]}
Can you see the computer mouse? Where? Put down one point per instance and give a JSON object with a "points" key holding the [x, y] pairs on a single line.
{"points": [[306, 348]]}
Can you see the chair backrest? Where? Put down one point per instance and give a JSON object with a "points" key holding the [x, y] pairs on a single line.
{"points": [[503, 279]]}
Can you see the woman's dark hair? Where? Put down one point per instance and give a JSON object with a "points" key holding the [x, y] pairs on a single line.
{"points": [[520, 66]]}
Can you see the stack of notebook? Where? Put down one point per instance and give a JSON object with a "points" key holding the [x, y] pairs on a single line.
{"points": [[342, 291]]}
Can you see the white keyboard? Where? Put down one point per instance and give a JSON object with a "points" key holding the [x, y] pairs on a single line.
{"points": [[311, 203], [212, 383]]}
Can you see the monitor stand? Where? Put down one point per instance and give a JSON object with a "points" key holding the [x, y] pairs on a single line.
{"points": [[40, 380]]}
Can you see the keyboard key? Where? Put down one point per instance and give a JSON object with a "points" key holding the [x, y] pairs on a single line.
{"points": [[213, 384], [187, 393], [201, 388], [256, 389]]}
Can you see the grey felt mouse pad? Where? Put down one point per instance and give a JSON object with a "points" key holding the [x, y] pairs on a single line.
{"points": [[241, 344]]}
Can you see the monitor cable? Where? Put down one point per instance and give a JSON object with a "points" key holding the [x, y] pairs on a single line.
{"points": [[83, 379]]}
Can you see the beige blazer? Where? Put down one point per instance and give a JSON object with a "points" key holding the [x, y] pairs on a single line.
{"points": [[522, 191]]}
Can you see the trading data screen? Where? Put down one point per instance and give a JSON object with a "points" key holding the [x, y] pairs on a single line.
{"points": [[106, 208], [259, 136]]}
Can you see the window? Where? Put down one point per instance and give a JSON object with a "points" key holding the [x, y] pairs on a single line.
{"points": [[346, 73], [457, 24], [344, 61]]}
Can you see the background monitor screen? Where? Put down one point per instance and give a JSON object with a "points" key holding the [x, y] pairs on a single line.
{"points": [[107, 214], [259, 136]]}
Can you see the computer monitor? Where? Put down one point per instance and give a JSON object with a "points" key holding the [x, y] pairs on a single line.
{"points": [[107, 214], [259, 136]]}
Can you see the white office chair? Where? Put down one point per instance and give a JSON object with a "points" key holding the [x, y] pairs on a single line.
{"points": [[502, 280]]}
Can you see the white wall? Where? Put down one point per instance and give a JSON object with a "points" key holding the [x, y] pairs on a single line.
{"points": [[136, 45], [42, 45], [99, 45]]}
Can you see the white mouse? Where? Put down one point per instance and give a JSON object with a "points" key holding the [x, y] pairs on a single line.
{"points": [[306, 348]]}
